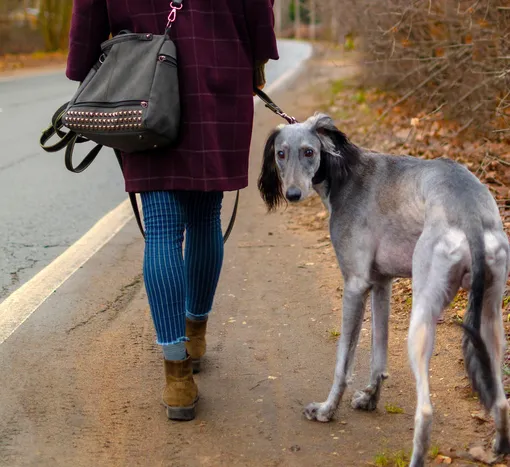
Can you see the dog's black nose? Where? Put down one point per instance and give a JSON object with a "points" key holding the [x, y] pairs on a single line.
{"points": [[293, 194]]}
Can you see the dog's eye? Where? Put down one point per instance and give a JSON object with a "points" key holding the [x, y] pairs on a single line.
{"points": [[309, 153], [280, 154]]}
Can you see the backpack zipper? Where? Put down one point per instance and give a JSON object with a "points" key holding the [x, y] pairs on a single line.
{"points": [[141, 103]]}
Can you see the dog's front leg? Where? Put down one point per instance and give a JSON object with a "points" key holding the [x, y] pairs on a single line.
{"points": [[369, 397], [355, 294]]}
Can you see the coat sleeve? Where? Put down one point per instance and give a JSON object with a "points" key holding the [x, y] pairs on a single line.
{"points": [[260, 21], [89, 28]]}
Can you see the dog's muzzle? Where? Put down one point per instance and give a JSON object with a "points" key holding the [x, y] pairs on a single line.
{"points": [[293, 194]]}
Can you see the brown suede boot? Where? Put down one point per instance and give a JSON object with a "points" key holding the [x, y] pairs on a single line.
{"points": [[181, 393], [195, 332]]}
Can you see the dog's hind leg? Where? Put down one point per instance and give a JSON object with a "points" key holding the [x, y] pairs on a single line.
{"points": [[355, 294], [492, 331], [435, 260], [368, 398]]}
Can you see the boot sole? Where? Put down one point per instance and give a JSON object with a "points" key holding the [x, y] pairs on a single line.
{"points": [[195, 363], [183, 414]]}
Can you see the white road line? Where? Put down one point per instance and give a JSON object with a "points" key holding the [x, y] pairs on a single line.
{"points": [[18, 307]]}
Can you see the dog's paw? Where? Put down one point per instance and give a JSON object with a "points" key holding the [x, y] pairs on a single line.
{"points": [[364, 400], [319, 412]]}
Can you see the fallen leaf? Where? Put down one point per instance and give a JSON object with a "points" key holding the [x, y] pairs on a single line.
{"points": [[442, 460], [461, 313], [271, 377], [480, 416]]}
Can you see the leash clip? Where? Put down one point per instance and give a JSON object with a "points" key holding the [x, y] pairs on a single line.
{"points": [[173, 13], [290, 120]]}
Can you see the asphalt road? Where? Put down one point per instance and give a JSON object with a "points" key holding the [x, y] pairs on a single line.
{"points": [[43, 207]]}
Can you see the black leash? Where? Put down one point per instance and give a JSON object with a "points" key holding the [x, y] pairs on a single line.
{"points": [[68, 140]]}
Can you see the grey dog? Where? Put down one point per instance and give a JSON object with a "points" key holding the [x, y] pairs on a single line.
{"points": [[400, 216]]}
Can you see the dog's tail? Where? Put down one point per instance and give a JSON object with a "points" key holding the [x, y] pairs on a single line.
{"points": [[476, 356]]}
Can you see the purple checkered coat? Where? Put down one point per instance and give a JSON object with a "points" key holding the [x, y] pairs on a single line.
{"points": [[218, 42]]}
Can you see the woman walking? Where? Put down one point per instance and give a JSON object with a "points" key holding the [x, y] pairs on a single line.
{"points": [[222, 47]]}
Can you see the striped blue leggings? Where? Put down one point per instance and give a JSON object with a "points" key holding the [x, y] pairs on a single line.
{"points": [[179, 286]]}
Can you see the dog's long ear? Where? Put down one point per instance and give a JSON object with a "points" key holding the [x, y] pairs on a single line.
{"points": [[269, 183], [333, 141]]}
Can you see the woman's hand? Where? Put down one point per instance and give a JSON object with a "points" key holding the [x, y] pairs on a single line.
{"points": [[259, 75]]}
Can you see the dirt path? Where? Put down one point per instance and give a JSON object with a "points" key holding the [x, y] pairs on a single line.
{"points": [[86, 387]]}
